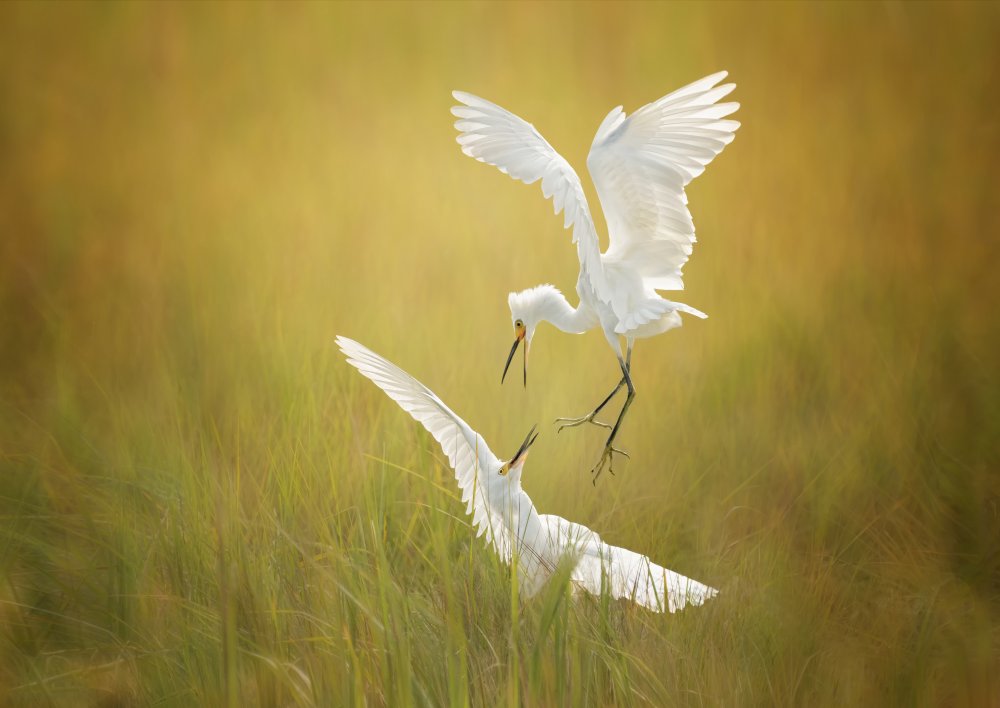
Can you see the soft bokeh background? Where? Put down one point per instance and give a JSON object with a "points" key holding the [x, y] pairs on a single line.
{"points": [[201, 502]]}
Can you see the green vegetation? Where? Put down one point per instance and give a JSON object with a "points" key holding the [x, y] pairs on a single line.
{"points": [[201, 503]]}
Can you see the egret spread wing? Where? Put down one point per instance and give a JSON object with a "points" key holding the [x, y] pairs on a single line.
{"points": [[497, 137], [624, 573], [641, 165], [467, 452]]}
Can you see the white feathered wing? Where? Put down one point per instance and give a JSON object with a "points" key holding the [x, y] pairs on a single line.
{"points": [[494, 135], [474, 464], [641, 164]]}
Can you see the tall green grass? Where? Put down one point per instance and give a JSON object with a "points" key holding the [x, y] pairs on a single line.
{"points": [[200, 502]]}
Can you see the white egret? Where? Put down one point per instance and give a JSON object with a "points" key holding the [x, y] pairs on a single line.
{"points": [[503, 512], [640, 165]]}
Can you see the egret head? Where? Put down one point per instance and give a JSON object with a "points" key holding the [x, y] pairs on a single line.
{"points": [[526, 310], [514, 465]]}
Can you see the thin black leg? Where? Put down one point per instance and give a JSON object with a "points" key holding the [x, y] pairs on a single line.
{"points": [[607, 458]]}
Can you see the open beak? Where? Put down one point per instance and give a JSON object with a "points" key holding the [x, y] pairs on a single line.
{"points": [[510, 357], [522, 451]]}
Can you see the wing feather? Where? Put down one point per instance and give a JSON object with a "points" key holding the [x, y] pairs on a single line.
{"points": [[494, 135], [640, 168], [623, 573], [467, 452]]}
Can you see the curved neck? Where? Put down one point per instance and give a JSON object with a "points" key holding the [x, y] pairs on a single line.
{"points": [[555, 308]]}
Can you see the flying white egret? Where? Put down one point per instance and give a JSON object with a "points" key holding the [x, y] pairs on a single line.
{"points": [[500, 510], [640, 165]]}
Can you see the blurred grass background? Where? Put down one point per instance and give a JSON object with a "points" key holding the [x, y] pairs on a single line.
{"points": [[200, 502]]}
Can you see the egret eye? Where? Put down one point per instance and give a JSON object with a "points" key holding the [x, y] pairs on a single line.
{"points": [[519, 323]]}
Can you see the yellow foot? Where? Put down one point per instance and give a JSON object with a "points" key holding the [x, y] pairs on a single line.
{"points": [[573, 422], [607, 460]]}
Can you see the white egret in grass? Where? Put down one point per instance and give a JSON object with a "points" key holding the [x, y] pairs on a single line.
{"points": [[640, 165], [503, 513]]}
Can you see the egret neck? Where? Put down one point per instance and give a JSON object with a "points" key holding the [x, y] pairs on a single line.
{"points": [[546, 303], [543, 303]]}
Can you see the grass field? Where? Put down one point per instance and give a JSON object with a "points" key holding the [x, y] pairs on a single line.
{"points": [[201, 503]]}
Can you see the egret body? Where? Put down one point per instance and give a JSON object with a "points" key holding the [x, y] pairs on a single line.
{"points": [[503, 513], [640, 165]]}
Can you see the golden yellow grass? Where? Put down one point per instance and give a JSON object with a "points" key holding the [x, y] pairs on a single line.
{"points": [[200, 502]]}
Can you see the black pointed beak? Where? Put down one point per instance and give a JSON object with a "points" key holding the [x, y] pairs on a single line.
{"points": [[510, 358], [528, 442]]}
